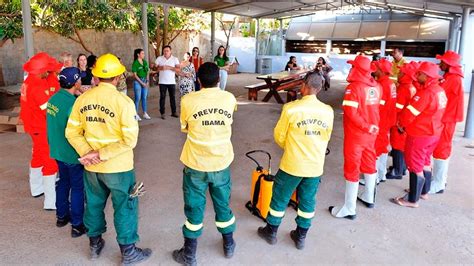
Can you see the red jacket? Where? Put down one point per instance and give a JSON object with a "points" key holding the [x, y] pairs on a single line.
{"points": [[405, 91], [422, 117], [35, 93], [361, 105], [452, 86], [388, 114]]}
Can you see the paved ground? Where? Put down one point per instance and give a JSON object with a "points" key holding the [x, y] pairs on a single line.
{"points": [[440, 231]]}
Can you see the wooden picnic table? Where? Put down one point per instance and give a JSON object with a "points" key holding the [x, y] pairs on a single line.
{"points": [[282, 81]]}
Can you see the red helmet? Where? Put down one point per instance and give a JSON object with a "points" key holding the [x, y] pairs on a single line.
{"points": [[363, 63], [384, 65], [430, 69], [451, 58], [410, 69], [37, 64]]}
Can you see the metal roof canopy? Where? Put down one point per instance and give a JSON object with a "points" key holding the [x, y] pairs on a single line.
{"points": [[295, 8]]}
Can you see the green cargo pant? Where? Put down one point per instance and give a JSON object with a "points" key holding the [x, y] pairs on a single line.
{"points": [[283, 187], [195, 184], [98, 186]]}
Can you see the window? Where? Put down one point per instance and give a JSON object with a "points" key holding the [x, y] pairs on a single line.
{"points": [[306, 46], [354, 47], [417, 49]]}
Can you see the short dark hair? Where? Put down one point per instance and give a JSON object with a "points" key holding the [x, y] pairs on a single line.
{"points": [[106, 79], [136, 53], [65, 84], [208, 74], [164, 47], [400, 49], [314, 80], [91, 59]]}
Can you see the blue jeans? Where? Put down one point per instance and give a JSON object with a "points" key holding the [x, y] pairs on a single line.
{"points": [[141, 93], [223, 79], [71, 182]]}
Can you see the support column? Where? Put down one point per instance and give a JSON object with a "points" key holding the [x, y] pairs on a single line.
{"points": [[166, 9], [27, 31], [464, 34], [383, 46], [469, 129], [213, 35], [467, 67], [145, 30], [453, 34], [328, 47], [257, 34], [282, 41]]}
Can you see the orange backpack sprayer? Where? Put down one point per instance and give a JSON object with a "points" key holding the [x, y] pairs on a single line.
{"points": [[261, 187]]}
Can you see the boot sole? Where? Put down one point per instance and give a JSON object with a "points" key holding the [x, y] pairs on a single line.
{"points": [[350, 217], [368, 205]]}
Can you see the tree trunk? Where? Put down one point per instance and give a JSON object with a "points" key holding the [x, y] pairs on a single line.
{"points": [[166, 9], [81, 41]]}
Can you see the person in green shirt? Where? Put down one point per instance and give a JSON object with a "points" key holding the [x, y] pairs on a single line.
{"points": [[222, 61], [140, 71], [70, 184]]}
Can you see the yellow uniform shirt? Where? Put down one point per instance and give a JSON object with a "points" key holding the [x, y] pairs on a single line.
{"points": [[206, 117], [396, 69], [104, 120], [303, 132]]}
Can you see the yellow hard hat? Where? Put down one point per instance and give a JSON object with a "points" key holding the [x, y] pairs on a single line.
{"points": [[107, 66]]}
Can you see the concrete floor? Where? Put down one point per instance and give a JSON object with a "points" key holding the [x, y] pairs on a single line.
{"points": [[440, 231]]}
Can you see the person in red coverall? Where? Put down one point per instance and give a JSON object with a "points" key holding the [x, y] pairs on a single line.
{"points": [[361, 119], [421, 119], [35, 93], [54, 67], [452, 85], [405, 91], [388, 115]]}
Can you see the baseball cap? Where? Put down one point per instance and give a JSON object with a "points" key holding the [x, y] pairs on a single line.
{"points": [[69, 76]]}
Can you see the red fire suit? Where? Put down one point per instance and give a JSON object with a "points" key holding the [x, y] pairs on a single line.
{"points": [[388, 114], [361, 110], [405, 91], [422, 122], [35, 93], [453, 88]]}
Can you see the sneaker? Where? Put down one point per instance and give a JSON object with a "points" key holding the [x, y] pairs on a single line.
{"points": [[174, 115], [61, 222], [146, 116], [138, 118], [78, 231], [163, 116]]}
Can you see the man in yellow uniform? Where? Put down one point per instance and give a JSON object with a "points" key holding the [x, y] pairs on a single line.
{"points": [[206, 117], [102, 128], [397, 63], [303, 132]]}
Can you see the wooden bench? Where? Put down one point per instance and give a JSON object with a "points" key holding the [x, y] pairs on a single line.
{"points": [[254, 88], [290, 87]]}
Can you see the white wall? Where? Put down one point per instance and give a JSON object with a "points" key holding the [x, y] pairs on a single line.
{"points": [[244, 50]]}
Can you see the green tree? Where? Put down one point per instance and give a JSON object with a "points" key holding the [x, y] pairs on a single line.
{"points": [[11, 23]]}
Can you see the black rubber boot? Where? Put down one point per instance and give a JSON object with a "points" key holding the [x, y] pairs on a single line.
{"points": [[61, 222], [416, 185], [229, 245], [298, 236], [268, 233], [96, 244], [427, 185], [398, 169], [132, 255], [78, 231], [187, 254]]}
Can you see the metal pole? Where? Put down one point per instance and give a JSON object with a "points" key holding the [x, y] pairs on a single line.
{"points": [[464, 32], [469, 129], [27, 31], [282, 42], [166, 10], [328, 47], [257, 33], [383, 46], [145, 30], [213, 34]]}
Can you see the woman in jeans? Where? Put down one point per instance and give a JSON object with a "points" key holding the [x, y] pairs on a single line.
{"points": [[222, 62], [197, 62], [140, 71]]}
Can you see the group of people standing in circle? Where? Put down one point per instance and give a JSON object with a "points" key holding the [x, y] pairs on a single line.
{"points": [[172, 73]]}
